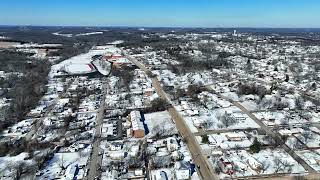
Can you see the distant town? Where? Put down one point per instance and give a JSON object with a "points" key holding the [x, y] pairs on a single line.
{"points": [[159, 103]]}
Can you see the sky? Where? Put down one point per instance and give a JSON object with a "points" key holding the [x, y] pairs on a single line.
{"points": [[163, 13]]}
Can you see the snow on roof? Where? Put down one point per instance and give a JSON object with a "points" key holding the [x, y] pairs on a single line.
{"points": [[135, 118], [182, 174], [79, 68], [236, 135], [83, 58], [64, 100]]}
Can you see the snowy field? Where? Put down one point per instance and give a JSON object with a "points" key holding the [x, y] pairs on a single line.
{"points": [[159, 119]]}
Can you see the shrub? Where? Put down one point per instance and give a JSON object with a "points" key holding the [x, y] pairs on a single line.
{"points": [[205, 139], [158, 104], [255, 146]]}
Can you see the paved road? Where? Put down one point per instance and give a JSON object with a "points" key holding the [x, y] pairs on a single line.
{"points": [[205, 169], [275, 135], [96, 160]]}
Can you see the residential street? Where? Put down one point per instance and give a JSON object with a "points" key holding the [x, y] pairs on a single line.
{"points": [[95, 161], [204, 168], [275, 136], [38, 123]]}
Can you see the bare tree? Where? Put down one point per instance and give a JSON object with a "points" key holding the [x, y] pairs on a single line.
{"points": [[22, 170], [134, 162], [288, 166], [207, 124], [161, 130], [62, 163], [300, 103], [264, 165], [307, 135], [278, 164], [161, 161], [227, 120]]}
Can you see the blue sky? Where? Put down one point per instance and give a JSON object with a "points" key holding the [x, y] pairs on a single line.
{"points": [[176, 13]]}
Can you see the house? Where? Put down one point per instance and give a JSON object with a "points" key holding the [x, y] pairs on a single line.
{"points": [[216, 153], [107, 130], [134, 151], [182, 174], [197, 122], [148, 91], [37, 111], [117, 155], [182, 170], [117, 60], [160, 175], [285, 132], [254, 164], [212, 141], [116, 146], [138, 172], [226, 166], [236, 136], [172, 144], [235, 116]]}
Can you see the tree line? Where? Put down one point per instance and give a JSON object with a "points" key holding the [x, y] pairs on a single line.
{"points": [[24, 91]]}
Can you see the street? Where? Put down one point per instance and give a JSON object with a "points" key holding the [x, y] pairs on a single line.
{"points": [[274, 135], [204, 169], [95, 161]]}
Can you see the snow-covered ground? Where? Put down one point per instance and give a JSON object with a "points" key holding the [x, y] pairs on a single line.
{"points": [[190, 124], [159, 119], [222, 141], [265, 162], [80, 34], [250, 105], [90, 33], [311, 157], [9, 162], [63, 165], [312, 141]]}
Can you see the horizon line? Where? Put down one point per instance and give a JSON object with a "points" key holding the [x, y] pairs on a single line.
{"points": [[145, 26]]}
